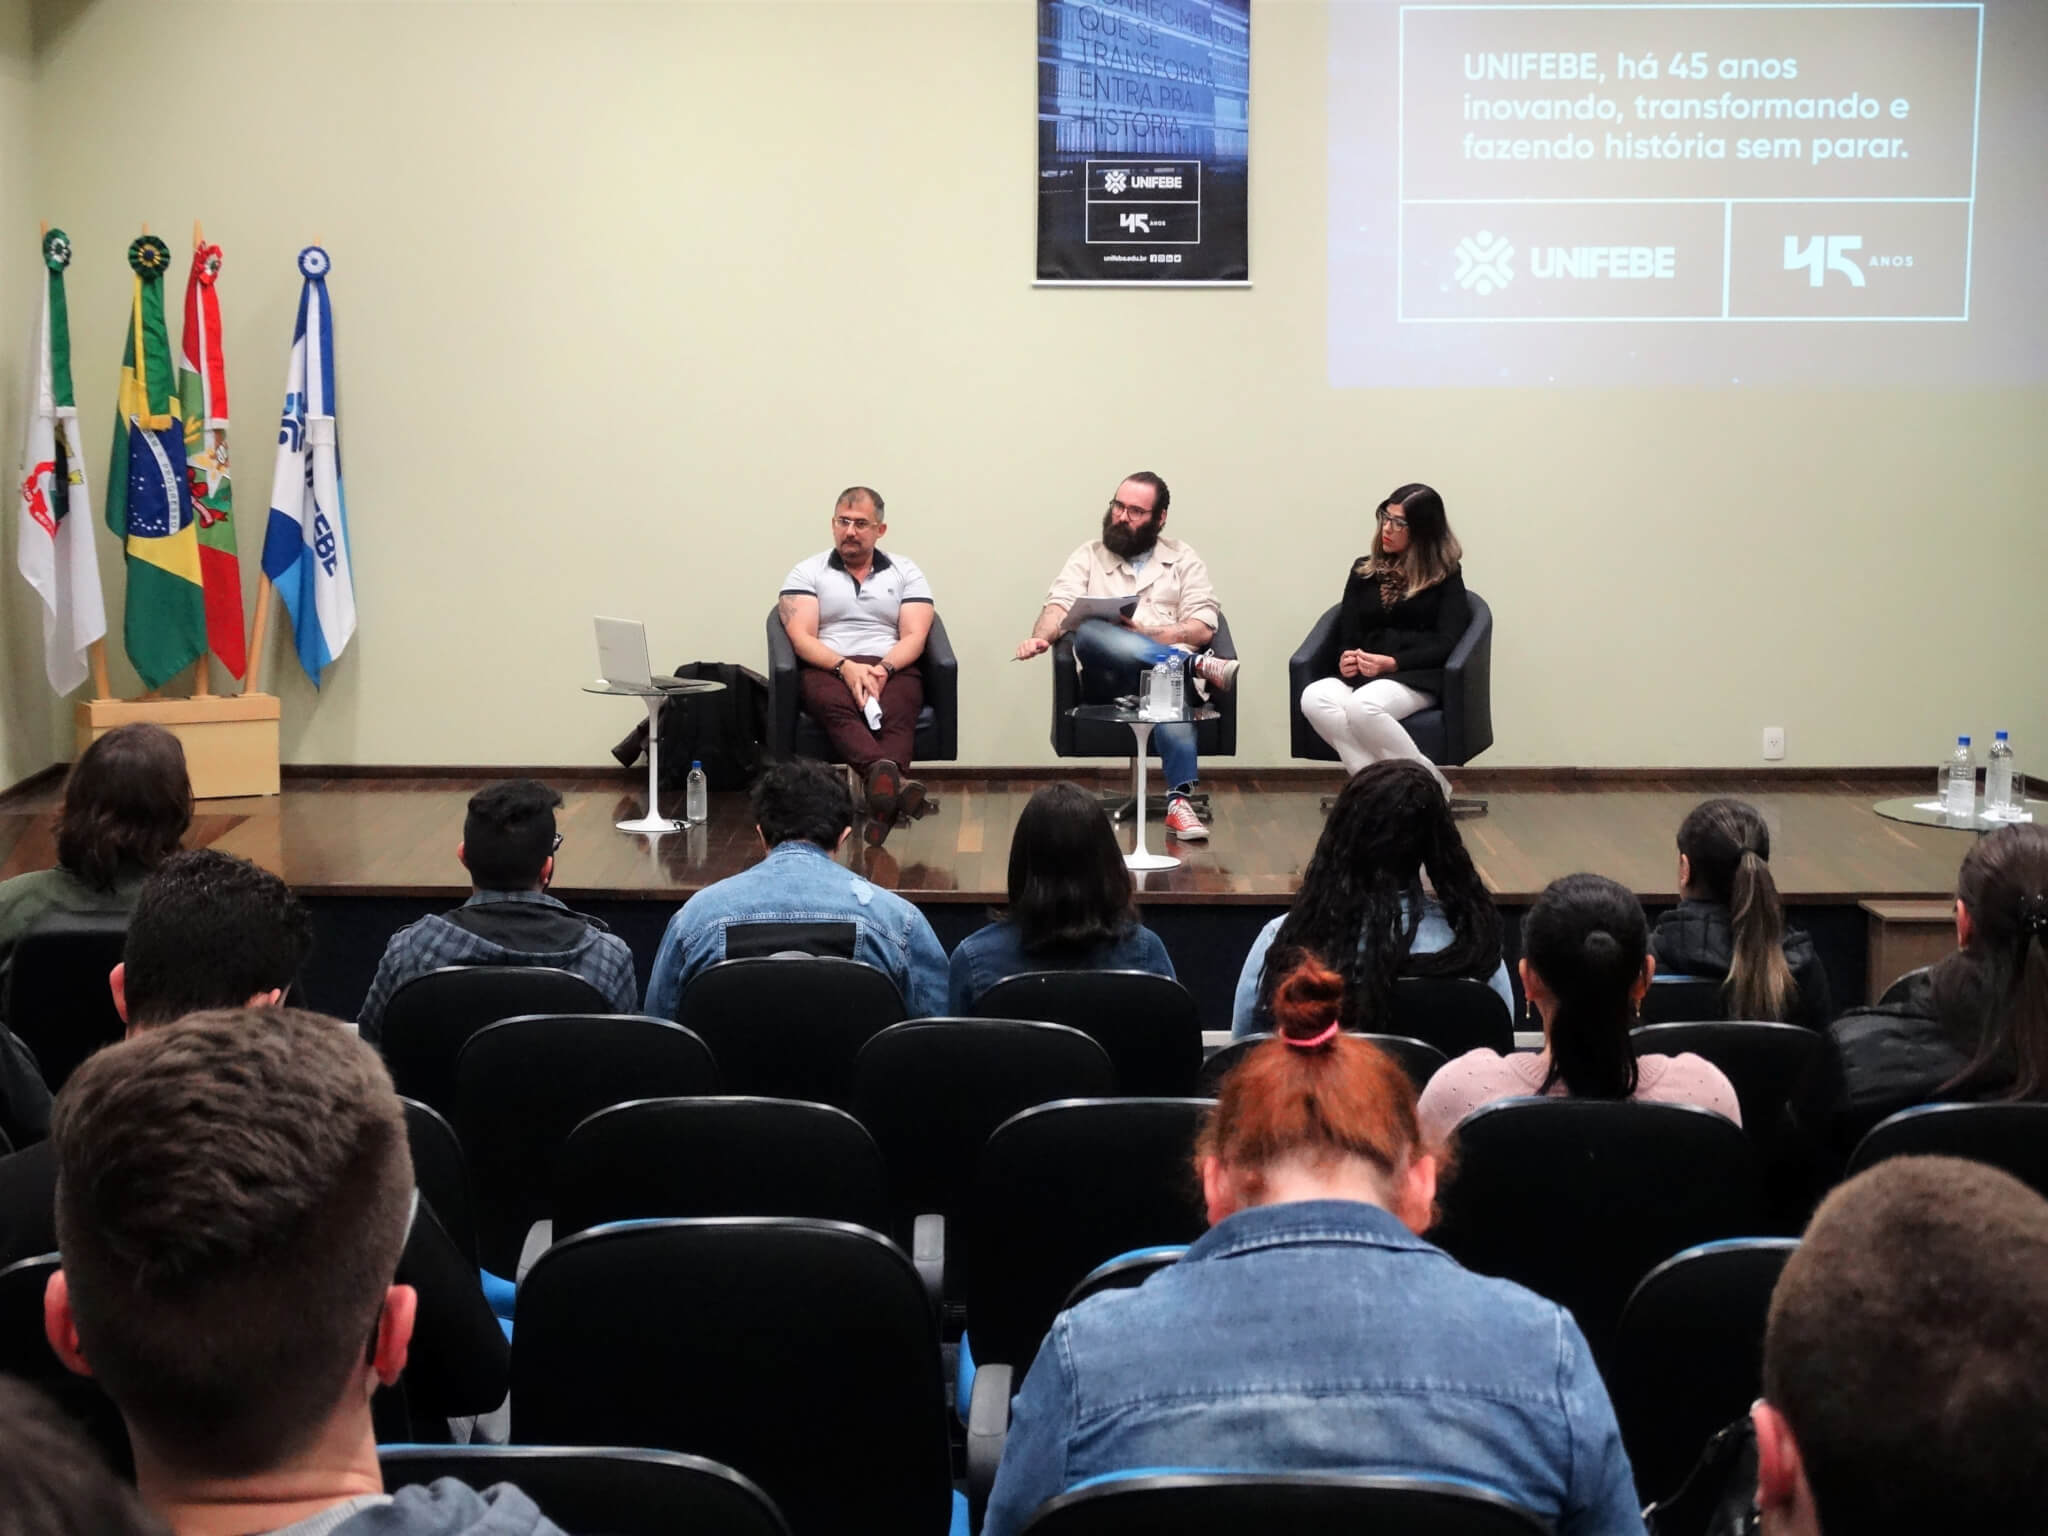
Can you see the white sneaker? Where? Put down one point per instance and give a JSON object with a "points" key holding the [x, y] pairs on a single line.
{"points": [[1219, 672], [1183, 823]]}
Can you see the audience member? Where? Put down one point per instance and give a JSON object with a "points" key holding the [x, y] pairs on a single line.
{"points": [[1729, 924], [1362, 903], [508, 846], [1072, 905], [1906, 1360], [1585, 966], [233, 1192], [214, 931], [127, 803], [1311, 1329], [53, 1482], [1972, 1026], [803, 814]]}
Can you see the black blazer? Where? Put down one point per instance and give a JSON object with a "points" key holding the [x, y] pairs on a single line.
{"points": [[1419, 632]]}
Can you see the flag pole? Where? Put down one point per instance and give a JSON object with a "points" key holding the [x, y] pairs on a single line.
{"points": [[97, 651]]}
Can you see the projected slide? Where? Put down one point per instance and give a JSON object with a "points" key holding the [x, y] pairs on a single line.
{"points": [[1694, 193]]}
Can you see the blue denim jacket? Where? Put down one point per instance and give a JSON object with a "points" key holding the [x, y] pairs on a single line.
{"points": [[991, 953], [1322, 1336], [800, 883]]}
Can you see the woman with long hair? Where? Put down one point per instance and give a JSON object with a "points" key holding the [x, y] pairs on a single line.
{"points": [[1729, 924], [1404, 608], [1971, 1027], [1072, 905], [127, 803], [1362, 903], [1585, 965], [1312, 1329]]}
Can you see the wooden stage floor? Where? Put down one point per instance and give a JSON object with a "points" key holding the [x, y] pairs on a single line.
{"points": [[396, 837]]}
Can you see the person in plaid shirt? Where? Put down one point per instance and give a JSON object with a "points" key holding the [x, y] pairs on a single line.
{"points": [[508, 845]]}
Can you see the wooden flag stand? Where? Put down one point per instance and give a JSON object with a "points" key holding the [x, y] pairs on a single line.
{"points": [[230, 740]]}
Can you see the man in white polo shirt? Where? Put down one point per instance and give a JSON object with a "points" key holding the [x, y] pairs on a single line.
{"points": [[858, 619]]}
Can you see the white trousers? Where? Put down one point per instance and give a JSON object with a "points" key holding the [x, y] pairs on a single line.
{"points": [[1364, 723]]}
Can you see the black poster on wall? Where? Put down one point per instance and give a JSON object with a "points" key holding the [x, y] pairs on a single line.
{"points": [[1142, 140]]}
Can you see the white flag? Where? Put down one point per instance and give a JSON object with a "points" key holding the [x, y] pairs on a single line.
{"points": [[56, 550]]}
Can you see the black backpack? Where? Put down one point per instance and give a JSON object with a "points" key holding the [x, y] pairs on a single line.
{"points": [[724, 731]]}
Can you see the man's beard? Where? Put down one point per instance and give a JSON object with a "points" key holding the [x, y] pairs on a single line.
{"points": [[1126, 542]]}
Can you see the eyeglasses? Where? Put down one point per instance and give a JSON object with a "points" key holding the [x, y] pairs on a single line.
{"points": [[853, 524], [556, 845], [1125, 509], [1390, 519]]}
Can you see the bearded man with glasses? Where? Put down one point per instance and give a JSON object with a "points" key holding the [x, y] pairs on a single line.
{"points": [[857, 620]]}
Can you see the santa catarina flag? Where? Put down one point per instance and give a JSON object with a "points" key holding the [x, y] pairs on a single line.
{"points": [[55, 553], [203, 395], [306, 545], [149, 502]]}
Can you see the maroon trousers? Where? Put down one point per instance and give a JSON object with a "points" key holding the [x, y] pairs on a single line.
{"points": [[830, 702]]}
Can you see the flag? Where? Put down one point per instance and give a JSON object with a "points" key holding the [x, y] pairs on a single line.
{"points": [[56, 554], [149, 503], [305, 547], [203, 394]]}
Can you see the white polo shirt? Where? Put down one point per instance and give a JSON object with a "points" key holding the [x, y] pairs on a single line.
{"points": [[858, 618]]}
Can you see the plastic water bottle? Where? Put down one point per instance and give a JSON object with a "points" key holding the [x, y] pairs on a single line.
{"points": [[1155, 703], [696, 796], [2002, 796], [1959, 798], [1176, 691]]}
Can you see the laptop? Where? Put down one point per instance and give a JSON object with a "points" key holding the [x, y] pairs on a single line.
{"points": [[622, 656]]}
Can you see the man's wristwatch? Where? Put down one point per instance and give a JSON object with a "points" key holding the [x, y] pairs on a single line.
{"points": [[886, 668], [839, 669]]}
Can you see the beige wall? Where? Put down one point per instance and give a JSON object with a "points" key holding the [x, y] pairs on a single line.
{"points": [[625, 293]]}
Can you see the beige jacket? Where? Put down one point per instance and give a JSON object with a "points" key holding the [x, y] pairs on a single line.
{"points": [[1173, 588]]}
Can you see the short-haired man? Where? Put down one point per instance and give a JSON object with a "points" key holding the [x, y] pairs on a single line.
{"points": [[858, 620], [233, 1192], [214, 931], [508, 846], [803, 814], [1906, 1360], [1174, 621]]}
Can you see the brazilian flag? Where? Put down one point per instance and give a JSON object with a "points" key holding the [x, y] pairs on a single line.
{"points": [[149, 499]]}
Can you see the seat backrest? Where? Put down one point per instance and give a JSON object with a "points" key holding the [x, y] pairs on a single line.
{"points": [[1578, 1199], [790, 1028], [1455, 1014], [1148, 1024], [430, 1017], [932, 1091], [1689, 1353], [2013, 1137], [1125, 1272], [1684, 1000], [58, 1000], [1896, 992], [522, 1085], [619, 1492], [1417, 1058], [441, 1173], [25, 1353], [1310, 1504], [803, 1354], [1058, 1190], [719, 1157], [1764, 1061]]}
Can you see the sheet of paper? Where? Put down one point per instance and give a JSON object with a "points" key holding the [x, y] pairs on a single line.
{"points": [[1086, 608]]}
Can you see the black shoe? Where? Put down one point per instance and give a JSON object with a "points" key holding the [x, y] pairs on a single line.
{"points": [[911, 801], [884, 789]]}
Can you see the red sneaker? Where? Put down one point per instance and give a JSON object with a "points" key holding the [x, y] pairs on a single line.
{"points": [[1182, 822]]}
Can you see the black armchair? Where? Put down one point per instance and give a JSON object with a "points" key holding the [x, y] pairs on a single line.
{"points": [[1457, 730], [792, 733]]}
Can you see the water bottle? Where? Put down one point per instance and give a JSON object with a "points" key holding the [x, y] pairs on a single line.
{"points": [[1155, 697], [696, 796], [1177, 691], [1959, 798], [2002, 795]]}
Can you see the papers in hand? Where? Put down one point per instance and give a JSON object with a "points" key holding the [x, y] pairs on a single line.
{"points": [[1086, 608]]}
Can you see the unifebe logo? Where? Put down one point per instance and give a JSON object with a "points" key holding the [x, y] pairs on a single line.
{"points": [[1115, 181], [1484, 262]]}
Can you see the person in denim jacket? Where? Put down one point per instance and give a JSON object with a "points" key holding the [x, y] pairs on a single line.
{"points": [[1071, 903], [1311, 1329], [804, 813]]}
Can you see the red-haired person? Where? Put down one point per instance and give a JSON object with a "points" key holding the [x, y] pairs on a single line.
{"points": [[1312, 1329]]}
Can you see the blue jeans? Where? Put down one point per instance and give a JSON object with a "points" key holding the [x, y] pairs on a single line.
{"points": [[1111, 658]]}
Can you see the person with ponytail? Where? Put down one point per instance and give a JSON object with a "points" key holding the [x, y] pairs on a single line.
{"points": [[1972, 1027], [1312, 1328], [1585, 965], [1729, 924], [1362, 899]]}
